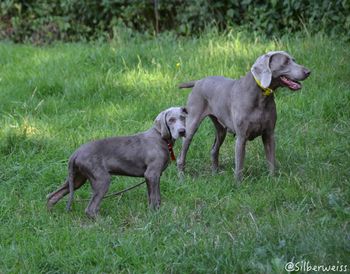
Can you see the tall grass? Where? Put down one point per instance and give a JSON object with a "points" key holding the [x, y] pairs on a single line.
{"points": [[52, 99]]}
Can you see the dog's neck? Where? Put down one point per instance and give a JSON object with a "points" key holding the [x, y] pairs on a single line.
{"points": [[258, 89], [169, 140], [169, 143]]}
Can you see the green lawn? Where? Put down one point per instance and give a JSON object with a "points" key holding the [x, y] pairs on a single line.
{"points": [[54, 98]]}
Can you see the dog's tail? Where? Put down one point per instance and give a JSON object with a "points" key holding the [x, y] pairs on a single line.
{"points": [[70, 180], [188, 84]]}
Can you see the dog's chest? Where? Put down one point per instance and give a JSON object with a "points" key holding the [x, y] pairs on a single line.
{"points": [[259, 121]]}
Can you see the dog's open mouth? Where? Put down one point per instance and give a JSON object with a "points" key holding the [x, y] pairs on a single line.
{"points": [[293, 85]]}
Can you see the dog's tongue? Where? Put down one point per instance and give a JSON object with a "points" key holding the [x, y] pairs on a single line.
{"points": [[291, 84]]}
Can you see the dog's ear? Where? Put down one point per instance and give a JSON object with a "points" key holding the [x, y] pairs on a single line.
{"points": [[161, 125], [261, 70]]}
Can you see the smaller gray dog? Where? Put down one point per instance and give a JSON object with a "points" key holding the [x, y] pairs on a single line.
{"points": [[142, 155], [244, 107]]}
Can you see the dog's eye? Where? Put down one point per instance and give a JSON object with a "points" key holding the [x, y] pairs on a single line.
{"points": [[287, 62], [172, 120], [182, 118]]}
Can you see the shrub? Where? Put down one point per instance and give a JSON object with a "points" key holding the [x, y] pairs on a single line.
{"points": [[71, 20]]}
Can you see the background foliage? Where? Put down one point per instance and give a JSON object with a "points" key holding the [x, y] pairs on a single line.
{"points": [[71, 20]]}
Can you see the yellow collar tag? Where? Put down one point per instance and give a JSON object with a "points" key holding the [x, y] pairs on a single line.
{"points": [[266, 91]]}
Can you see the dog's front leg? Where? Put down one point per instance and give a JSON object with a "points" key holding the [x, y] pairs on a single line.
{"points": [[239, 157], [269, 146], [153, 187]]}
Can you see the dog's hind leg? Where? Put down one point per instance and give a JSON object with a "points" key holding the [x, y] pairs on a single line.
{"points": [[219, 139], [99, 189], [62, 191], [196, 114]]}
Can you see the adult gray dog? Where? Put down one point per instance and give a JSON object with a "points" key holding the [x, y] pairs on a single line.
{"points": [[245, 107], [142, 155]]}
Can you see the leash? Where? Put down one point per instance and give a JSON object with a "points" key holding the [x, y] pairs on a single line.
{"points": [[116, 193], [123, 191]]}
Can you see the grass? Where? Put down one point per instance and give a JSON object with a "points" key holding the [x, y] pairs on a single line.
{"points": [[52, 99]]}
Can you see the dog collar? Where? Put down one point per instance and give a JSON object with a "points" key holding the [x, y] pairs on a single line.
{"points": [[171, 151], [170, 146], [266, 91]]}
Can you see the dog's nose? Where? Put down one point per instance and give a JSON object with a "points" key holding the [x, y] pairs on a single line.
{"points": [[307, 72], [182, 132]]}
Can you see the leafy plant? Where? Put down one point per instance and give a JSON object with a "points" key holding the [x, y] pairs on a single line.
{"points": [[70, 20]]}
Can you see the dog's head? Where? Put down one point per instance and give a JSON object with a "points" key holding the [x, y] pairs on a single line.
{"points": [[278, 69], [171, 123]]}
